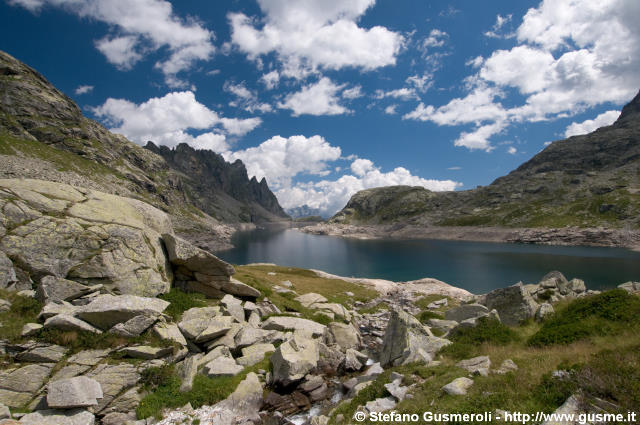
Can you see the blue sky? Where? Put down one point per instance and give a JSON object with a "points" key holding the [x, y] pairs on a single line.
{"points": [[327, 97]]}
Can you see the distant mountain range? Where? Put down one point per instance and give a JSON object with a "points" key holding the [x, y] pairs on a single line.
{"points": [[44, 135], [583, 181], [305, 211]]}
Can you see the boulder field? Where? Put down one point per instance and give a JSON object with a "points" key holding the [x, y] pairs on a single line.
{"points": [[97, 263]]}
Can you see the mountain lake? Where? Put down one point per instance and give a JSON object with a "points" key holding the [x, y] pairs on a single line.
{"points": [[477, 267]]}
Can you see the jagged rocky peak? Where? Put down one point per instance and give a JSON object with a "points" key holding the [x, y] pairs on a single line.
{"points": [[207, 172], [631, 111]]}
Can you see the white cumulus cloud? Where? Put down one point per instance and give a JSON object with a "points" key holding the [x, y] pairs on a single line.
{"points": [[312, 34], [83, 89], [139, 27], [167, 121], [587, 126], [320, 98], [569, 56]]}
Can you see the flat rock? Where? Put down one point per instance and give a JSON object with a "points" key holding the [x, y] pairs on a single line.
{"points": [[308, 299], [74, 392], [170, 332], [222, 366], [41, 353], [114, 379], [282, 323], [507, 366], [254, 354], [396, 389], [18, 385], [248, 336], [66, 322], [146, 352], [216, 327], [345, 335], [89, 357], [105, 311], [30, 329], [381, 404], [182, 253], [466, 311], [477, 365], [458, 386], [58, 417], [56, 289], [293, 359], [53, 309], [134, 326]]}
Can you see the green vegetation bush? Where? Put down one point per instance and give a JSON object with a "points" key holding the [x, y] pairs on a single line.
{"points": [[613, 375], [181, 302], [467, 340], [23, 310], [607, 313], [424, 316]]}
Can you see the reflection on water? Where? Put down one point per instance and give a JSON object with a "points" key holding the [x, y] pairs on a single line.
{"points": [[476, 266]]}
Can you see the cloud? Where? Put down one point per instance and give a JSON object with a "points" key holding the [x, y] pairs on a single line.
{"points": [[140, 27], [391, 109], [245, 99], [454, 168], [287, 164], [511, 150], [436, 38], [353, 92], [167, 120], [83, 89], [315, 34], [420, 83], [329, 196], [496, 32], [403, 94], [320, 98], [280, 159], [569, 56], [584, 127], [270, 79]]}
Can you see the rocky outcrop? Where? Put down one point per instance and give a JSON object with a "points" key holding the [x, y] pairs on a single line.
{"points": [[86, 236], [514, 304], [406, 340], [73, 392], [219, 188], [294, 359]]}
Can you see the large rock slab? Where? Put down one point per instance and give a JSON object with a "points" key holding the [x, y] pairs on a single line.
{"points": [[345, 335], [466, 311], [66, 322], [477, 365], [514, 304], [113, 379], [293, 359], [222, 366], [283, 323], [75, 392], [7, 272], [39, 352], [406, 340], [182, 253], [308, 299], [170, 332], [92, 237], [55, 289], [58, 417], [105, 311], [18, 385]]}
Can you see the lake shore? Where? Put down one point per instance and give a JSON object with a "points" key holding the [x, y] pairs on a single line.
{"points": [[567, 236]]}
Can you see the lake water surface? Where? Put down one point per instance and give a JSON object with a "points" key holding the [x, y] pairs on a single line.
{"points": [[478, 267]]}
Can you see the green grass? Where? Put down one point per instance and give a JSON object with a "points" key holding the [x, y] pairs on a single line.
{"points": [[424, 316], [181, 302], [608, 313], [374, 309], [466, 341], [163, 386], [82, 340], [23, 310]]}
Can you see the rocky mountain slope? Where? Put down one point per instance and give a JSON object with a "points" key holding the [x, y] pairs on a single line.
{"points": [[44, 135], [583, 181]]}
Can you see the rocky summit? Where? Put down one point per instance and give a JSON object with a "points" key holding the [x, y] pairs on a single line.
{"points": [[43, 135], [583, 182]]}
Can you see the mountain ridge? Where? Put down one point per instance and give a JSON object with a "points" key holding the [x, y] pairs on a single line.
{"points": [[44, 135], [582, 182]]}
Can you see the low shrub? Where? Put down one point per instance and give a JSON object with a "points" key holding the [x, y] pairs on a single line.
{"points": [[487, 330], [607, 313], [182, 301]]}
